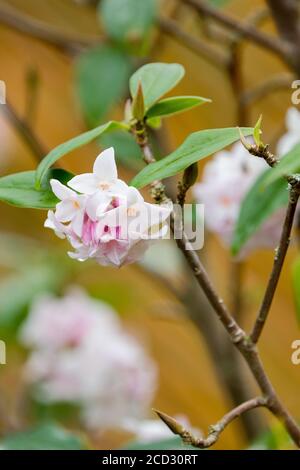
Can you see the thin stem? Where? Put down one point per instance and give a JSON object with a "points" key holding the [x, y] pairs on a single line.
{"points": [[236, 333], [238, 336], [286, 16], [25, 131], [277, 268], [275, 83], [215, 430], [211, 54], [72, 43], [227, 360], [250, 32]]}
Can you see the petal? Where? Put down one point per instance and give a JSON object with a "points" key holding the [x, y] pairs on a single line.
{"points": [[65, 211], [292, 119], [133, 196], [77, 223], [60, 190], [105, 166], [119, 187], [157, 214], [85, 183], [97, 204], [52, 223]]}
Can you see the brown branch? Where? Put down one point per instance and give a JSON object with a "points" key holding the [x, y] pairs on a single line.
{"points": [[286, 15], [215, 430], [234, 69], [245, 30], [33, 27], [277, 267], [238, 336], [25, 131], [226, 360], [275, 83], [211, 54]]}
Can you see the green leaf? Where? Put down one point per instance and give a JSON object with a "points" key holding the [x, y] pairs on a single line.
{"points": [[197, 146], [156, 79], [259, 204], [276, 438], [154, 123], [288, 165], [128, 21], [296, 285], [43, 437], [74, 144], [19, 189], [257, 131], [173, 443], [138, 104], [101, 78], [175, 105]]}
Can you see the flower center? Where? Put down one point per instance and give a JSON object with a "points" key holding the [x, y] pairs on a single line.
{"points": [[103, 185], [131, 211]]}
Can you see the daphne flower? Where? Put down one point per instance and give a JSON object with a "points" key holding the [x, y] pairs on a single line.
{"points": [[292, 136], [81, 353], [110, 222], [103, 178], [226, 181]]}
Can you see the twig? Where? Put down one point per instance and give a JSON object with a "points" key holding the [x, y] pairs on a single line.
{"points": [[25, 131], [32, 89], [211, 54], [234, 69], [275, 83], [215, 430], [226, 360], [286, 15], [237, 335], [277, 267], [24, 23], [275, 45]]}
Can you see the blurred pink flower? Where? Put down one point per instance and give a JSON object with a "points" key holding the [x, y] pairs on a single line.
{"points": [[292, 136], [82, 354], [226, 180], [110, 221], [154, 430]]}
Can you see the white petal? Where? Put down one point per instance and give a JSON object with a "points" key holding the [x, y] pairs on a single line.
{"points": [[60, 190], [97, 204], [157, 214], [77, 223], [292, 119], [133, 196], [85, 183], [52, 223], [65, 211], [105, 166], [119, 187]]}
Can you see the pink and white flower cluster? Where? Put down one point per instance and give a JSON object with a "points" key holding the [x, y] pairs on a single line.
{"points": [[292, 136], [104, 218], [81, 354], [226, 181]]}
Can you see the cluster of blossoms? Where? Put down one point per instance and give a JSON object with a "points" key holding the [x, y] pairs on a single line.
{"points": [[104, 218], [81, 354], [226, 181]]}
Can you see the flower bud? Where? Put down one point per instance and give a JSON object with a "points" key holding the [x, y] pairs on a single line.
{"points": [[190, 175]]}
